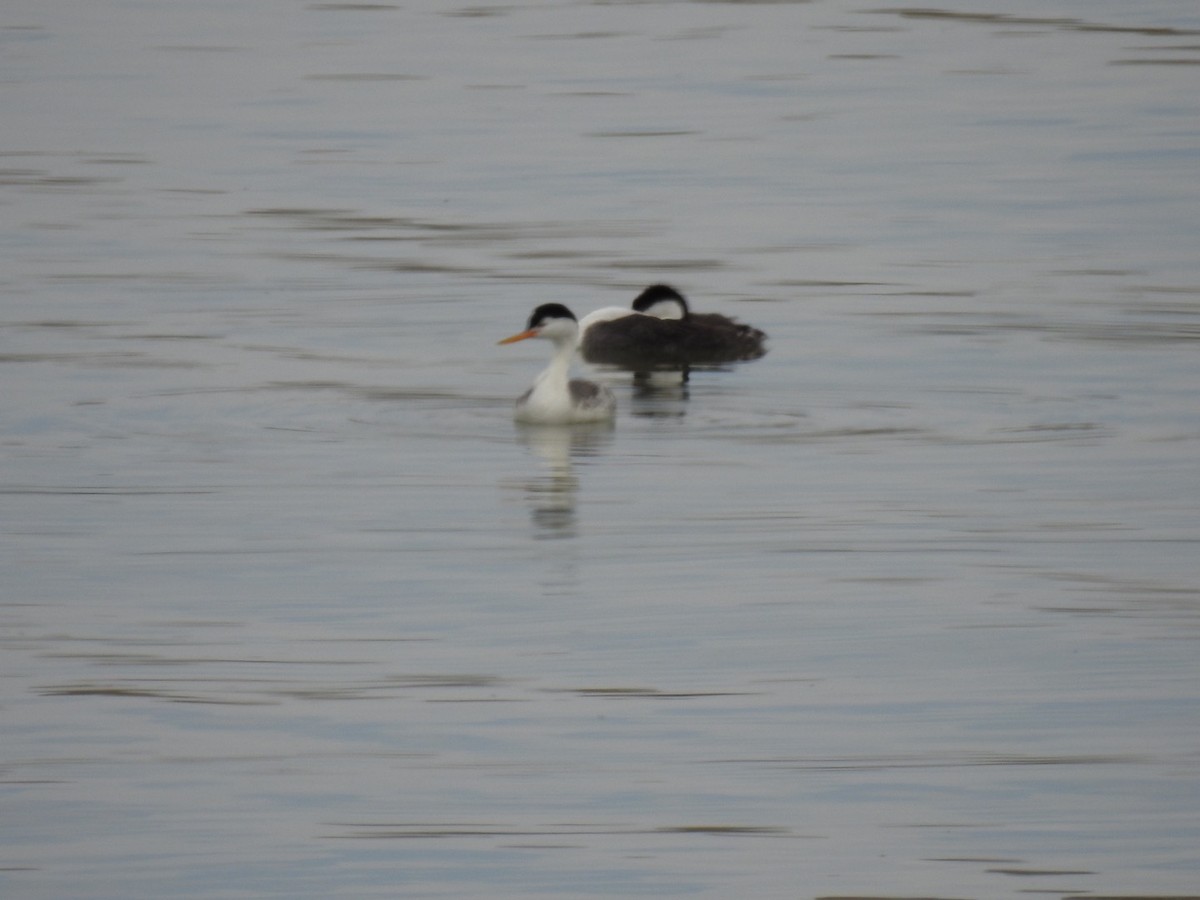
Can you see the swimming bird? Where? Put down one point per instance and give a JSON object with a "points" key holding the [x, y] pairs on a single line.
{"points": [[556, 398], [659, 331]]}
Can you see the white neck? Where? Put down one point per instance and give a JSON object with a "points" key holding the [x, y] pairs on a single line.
{"points": [[665, 309], [604, 314], [559, 370]]}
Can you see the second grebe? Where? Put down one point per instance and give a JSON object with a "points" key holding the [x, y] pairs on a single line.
{"points": [[660, 332], [556, 398]]}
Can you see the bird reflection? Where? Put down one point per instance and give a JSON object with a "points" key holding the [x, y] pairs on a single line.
{"points": [[551, 496], [660, 395]]}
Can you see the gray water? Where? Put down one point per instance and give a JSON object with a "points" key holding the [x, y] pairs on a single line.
{"points": [[291, 608]]}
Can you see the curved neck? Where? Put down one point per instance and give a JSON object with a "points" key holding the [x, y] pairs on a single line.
{"points": [[667, 309], [560, 364]]}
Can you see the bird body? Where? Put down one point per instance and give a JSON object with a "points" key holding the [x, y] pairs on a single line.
{"points": [[555, 398], [660, 332], [604, 314]]}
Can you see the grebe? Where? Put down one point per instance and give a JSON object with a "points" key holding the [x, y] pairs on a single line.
{"points": [[555, 398], [660, 332]]}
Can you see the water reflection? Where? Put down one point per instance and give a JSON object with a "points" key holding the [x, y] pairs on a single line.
{"points": [[660, 395], [551, 496], [1042, 22], [938, 609]]}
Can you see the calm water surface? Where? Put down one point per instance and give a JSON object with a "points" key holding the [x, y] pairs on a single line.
{"points": [[290, 608]]}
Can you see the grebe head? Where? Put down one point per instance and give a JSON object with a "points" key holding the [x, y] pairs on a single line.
{"points": [[661, 301], [550, 320]]}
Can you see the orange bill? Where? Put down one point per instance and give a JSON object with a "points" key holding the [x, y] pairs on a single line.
{"points": [[532, 332]]}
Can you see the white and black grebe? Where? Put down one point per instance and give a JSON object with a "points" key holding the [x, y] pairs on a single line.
{"points": [[556, 398], [660, 332]]}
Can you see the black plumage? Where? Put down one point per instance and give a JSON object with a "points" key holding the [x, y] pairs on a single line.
{"points": [[642, 341]]}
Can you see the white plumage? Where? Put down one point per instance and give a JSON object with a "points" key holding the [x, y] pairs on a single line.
{"points": [[556, 398]]}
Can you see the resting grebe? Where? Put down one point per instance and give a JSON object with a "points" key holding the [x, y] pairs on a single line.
{"points": [[660, 332], [555, 398]]}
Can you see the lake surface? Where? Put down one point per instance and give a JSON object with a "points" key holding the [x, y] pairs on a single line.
{"points": [[908, 608]]}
